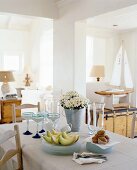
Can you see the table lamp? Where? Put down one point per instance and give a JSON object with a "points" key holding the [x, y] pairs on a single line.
{"points": [[5, 77], [97, 71]]}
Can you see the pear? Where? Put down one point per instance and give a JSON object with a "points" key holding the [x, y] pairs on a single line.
{"points": [[67, 141], [48, 139]]}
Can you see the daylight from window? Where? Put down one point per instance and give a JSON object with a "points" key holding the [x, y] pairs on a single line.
{"points": [[89, 56]]}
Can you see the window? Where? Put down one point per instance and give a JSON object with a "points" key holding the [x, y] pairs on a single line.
{"points": [[12, 61]]}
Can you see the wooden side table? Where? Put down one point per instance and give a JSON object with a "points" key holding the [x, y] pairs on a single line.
{"points": [[6, 110]]}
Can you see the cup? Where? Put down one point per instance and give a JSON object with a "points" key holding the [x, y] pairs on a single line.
{"points": [[66, 128], [49, 126]]}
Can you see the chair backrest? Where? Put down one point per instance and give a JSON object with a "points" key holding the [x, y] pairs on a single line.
{"points": [[134, 119], [12, 152], [20, 107]]}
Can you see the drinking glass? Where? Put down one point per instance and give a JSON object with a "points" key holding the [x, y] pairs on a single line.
{"points": [[93, 115], [27, 116], [37, 117], [45, 116], [53, 117], [53, 110]]}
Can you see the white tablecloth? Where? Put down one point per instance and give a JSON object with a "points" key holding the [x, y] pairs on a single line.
{"points": [[123, 156]]}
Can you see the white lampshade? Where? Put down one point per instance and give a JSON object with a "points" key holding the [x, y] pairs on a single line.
{"points": [[5, 77], [97, 71]]}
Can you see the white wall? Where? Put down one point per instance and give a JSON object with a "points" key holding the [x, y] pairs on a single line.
{"points": [[63, 55], [27, 43], [130, 43], [64, 29], [15, 41], [112, 43], [105, 47], [64, 42], [79, 60]]}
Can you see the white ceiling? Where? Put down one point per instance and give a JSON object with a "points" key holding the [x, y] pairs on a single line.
{"points": [[19, 22], [126, 19]]}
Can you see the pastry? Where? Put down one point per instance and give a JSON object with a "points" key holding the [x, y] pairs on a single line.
{"points": [[100, 137], [101, 133], [102, 140], [95, 139], [107, 137]]}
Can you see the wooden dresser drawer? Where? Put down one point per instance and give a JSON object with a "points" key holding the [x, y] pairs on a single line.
{"points": [[6, 110]]}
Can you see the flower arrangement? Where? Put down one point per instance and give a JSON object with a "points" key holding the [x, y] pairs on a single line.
{"points": [[72, 100]]}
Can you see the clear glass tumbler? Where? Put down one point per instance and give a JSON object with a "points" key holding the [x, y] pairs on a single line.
{"points": [[53, 110], [94, 109]]}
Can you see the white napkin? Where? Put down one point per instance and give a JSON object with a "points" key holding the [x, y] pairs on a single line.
{"points": [[82, 159]]}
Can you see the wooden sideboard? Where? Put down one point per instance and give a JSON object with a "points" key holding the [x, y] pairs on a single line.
{"points": [[6, 110]]}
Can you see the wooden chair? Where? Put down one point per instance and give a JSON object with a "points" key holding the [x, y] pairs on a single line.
{"points": [[20, 107], [134, 119], [12, 152]]}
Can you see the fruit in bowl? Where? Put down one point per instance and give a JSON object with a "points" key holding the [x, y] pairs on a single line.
{"points": [[60, 138], [60, 143], [100, 137]]}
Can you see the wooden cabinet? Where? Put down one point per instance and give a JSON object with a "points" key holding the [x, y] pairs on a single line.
{"points": [[120, 123], [6, 110]]}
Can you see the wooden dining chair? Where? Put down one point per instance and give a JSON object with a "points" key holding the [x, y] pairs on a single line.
{"points": [[20, 107], [12, 152], [134, 119]]}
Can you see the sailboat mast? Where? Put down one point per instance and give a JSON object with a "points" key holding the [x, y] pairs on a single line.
{"points": [[122, 82]]}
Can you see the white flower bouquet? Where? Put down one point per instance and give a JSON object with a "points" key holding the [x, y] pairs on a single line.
{"points": [[72, 100]]}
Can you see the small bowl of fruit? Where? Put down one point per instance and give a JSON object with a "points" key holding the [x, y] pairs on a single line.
{"points": [[60, 143], [100, 143]]}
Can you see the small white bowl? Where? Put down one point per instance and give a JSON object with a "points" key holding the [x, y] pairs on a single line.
{"points": [[100, 148]]}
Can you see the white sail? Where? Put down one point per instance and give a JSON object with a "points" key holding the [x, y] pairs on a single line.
{"points": [[121, 75]]}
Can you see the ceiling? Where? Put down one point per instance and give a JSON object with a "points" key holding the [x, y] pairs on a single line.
{"points": [[121, 20], [19, 22]]}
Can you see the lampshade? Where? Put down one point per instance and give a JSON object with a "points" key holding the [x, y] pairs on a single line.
{"points": [[97, 71], [6, 76]]}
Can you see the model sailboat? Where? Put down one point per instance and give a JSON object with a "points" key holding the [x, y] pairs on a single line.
{"points": [[119, 95], [121, 76]]}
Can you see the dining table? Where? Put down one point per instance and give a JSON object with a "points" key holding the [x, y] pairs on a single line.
{"points": [[123, 155]]}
